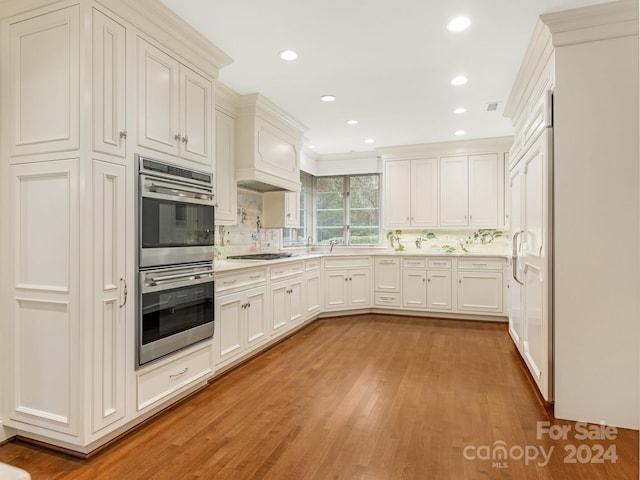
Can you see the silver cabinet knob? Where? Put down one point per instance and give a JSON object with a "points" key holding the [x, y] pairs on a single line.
{"points": [[123, 134]]}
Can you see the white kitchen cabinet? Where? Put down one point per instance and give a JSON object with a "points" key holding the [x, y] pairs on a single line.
{"points": [[411, 193], [386, 274], [414, 288], [347, 283], [42, 53], [241, 323], [439, 290], [269, 143], [174, 106], [225, 177], [286, 305], [111, 293], [472, 191], [313, 288], [281, 209], [109, 87], [480, 291]]}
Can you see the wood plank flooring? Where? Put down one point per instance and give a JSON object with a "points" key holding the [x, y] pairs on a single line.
{"points": [[361, 397]]}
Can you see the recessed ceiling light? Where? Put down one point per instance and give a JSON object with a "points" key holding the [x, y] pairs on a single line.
{"points": [[459, 80], [460, 110], [312, 147], [369, 140], [288, 55], [352, 122], [328, 98], [458, 24], [459, 133]]}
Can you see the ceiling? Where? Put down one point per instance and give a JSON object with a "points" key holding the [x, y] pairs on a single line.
{"points": [[388, 62]]}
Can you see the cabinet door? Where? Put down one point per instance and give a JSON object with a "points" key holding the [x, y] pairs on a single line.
{"points": [[109, 120], [313, 295], [279, 307], [439, 290], [44, 84], [292, 209], [335, 289], [359, 288], [296, 303], [480, 292], [397, 194], [110, 293], [453, 191], [387, 275], [516, 323], [256, 315], [230, 312], [195, 116], [158, 100], [484, 173], [414, 289], [424, 192], [226, 192]]}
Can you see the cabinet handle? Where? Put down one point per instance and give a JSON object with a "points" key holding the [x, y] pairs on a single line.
{"points": [[424, 279], [346, 279], [125, 291], [350, 279], [407, 219], [255, 277], [178, 374], [386, 261], [248, 304], [289, 215], [479, 264], [279, 273], [460, 281], [123, 134], [387, 299], [230, 282], [177, 137], [185, 140], [429, 280]]}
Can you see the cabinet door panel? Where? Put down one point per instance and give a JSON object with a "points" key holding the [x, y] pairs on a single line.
{"points": [[45, 92], [336, 289], [256, 318], [313, 296], [360, 288], [439, 290], [453, 191], [424, 192], [480, 291], [229, 316], [414, 289], [226, 192], [195, 96], [397, 194], [158, 92], [484, 172], [109, 121], [387, 275], [296, 301], [109, 320], [279, 307]]}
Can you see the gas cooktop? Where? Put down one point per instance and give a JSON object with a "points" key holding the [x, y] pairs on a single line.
{"points": [[259, 256]]}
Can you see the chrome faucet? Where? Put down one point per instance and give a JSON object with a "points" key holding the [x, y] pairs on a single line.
{"points": [[309, 240], [419, 242], [331, 244]]}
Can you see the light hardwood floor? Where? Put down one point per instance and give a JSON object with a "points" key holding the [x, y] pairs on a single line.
{"points": [[359, 397]]}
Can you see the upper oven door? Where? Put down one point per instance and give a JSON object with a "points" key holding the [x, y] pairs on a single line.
{"points": [[176, 222]]}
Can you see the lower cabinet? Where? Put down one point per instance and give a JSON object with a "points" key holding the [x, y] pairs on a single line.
{"points": [[480, 292], [241, 323], [347, 289], [414, 288], [286, 304], [439, 290], [313, 288]]}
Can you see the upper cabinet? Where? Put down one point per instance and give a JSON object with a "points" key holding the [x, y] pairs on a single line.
{"points": [[225, 177], [428, 186], [174, 106], [281, 210], [411, 193], [42, 79], [269, 144]]}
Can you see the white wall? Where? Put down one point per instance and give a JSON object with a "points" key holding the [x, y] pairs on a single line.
{"points": [[597, 327]]}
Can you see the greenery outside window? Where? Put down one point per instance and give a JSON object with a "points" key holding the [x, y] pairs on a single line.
{"points": [[348, 209]]}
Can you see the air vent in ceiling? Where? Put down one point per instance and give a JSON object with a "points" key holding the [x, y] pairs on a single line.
{"points": [[492, 106]]}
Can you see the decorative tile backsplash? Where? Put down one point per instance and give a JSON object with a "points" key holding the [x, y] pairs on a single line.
{"points": [[247, 236], [448, 241]]}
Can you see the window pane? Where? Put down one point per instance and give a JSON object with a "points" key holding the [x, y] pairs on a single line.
{"points": [[326, 234], [330, 209], [364, 197]]}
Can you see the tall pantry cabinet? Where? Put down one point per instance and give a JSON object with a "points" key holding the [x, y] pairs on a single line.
{"points": [[69, 133]]}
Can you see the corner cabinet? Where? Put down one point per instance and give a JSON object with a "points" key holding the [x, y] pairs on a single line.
{"points": [[347, 283], [174, 106]]}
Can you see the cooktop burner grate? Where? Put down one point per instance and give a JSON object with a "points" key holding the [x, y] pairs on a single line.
{"points": [[259, 256]]}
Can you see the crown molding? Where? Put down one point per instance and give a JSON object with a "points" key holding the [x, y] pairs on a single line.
{"points": [[473, 146], [596, 22], [226, 99]]}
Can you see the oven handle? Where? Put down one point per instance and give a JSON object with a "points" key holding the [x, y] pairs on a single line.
{"points": [[164, 278], [180, 192]]}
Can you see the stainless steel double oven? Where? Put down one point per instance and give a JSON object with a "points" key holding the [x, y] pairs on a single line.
{"points": [[176, 277]]}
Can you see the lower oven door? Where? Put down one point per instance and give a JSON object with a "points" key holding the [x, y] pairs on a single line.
{"points": [[176, 309]]}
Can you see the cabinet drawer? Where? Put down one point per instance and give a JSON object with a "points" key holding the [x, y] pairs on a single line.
{"points": [[414, 263], [347, 262], [160, 382], [247, 278], [481, 264], [385, 299], [285, 270], [313, 264], [439, 263]]}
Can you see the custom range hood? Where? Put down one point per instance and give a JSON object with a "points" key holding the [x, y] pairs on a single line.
{"points": [[269, 142]]}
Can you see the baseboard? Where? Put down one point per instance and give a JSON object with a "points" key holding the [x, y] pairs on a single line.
{"points": [[6, 433]]}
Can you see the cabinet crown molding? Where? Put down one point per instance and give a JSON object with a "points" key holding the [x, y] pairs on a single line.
{"points": [[460, 147], [256, 104]]}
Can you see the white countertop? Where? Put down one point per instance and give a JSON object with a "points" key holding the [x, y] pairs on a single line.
{"points": [[230, 265]]}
